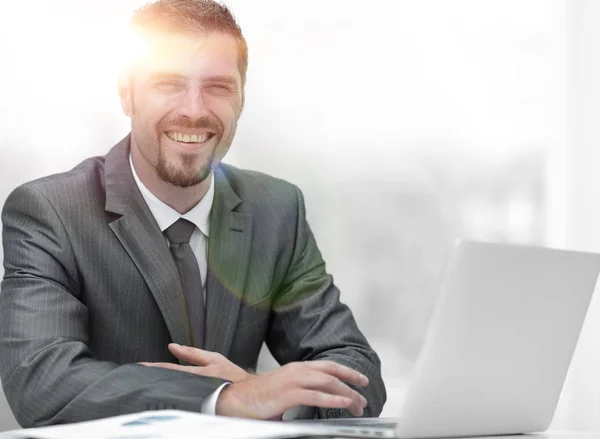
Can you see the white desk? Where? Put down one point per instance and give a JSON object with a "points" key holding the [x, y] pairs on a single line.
{"points": [[174, 424]]}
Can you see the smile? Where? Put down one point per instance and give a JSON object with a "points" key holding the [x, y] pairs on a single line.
{"points": [[189, 138]]}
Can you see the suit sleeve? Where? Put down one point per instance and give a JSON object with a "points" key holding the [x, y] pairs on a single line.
{"points": [[48, 372], [310, 323]]}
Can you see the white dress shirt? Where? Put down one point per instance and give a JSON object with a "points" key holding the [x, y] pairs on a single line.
{"points": [[199, 215]]}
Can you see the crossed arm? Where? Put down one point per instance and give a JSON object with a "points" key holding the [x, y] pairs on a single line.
{"points": [[267, 396]]}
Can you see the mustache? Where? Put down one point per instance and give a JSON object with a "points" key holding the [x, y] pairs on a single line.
{"points": [[185, 122]]}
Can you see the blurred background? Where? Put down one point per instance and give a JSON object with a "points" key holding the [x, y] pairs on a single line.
{"points": [[407, 124]]}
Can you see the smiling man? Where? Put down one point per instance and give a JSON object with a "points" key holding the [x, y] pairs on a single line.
{"points": [[149, 278]]}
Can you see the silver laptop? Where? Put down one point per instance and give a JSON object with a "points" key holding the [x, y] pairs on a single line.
{"points": [[498, 346]]}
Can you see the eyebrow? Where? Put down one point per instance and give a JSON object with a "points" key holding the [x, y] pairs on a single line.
{"points": [[223, 79], [159, 76], [226, 79]]}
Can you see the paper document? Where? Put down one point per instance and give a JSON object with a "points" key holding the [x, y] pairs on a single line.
{"points": [[169, 424]]}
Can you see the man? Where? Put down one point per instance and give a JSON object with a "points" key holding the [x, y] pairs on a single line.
{"points": [[149, 278]]}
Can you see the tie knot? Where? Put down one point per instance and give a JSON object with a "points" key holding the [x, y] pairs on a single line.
{"points": [[180, 231]]}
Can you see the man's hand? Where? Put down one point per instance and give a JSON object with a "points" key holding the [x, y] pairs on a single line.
{"points": [[209, 364], [310, 383]]}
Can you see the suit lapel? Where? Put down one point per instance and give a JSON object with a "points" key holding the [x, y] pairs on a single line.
{"points": [[228, 259], [141, 237]]}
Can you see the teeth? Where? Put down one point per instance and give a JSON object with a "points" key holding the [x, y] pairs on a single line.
{"points": [[188, 138]]}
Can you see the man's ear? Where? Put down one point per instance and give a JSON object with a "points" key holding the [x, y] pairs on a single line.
{"points": [[126, 95]]}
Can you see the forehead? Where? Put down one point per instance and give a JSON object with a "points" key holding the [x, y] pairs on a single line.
{"points": [[190, 54]]}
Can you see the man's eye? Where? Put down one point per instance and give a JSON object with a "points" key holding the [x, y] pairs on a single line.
{"points": [[219, 88]]}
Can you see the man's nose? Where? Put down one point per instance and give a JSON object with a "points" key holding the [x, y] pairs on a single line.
{"points": [[193, 105]]}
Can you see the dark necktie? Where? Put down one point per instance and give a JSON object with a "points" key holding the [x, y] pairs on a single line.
{"points": [[179, 234]]}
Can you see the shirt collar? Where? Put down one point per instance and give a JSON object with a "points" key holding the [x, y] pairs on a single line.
{"points": [[165, 215]]}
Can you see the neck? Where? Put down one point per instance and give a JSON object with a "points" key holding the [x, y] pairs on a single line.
{"points": [[178, 198]]}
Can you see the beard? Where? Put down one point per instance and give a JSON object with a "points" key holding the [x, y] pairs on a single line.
{"points": [[187, 174]]}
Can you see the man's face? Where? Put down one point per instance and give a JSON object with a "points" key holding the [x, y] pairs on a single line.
{"points": [[184, 100]]}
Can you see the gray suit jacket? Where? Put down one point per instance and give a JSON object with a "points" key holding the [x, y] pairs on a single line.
{"points": [[90, 289]]}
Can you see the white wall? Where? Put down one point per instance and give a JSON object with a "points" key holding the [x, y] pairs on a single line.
{"points": [[582, 160]]}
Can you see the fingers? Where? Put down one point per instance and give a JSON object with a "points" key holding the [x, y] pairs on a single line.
{"points": [[341, 372], [258, 398], [314, 398], [192, 355], [329, 384], [271, 394]]}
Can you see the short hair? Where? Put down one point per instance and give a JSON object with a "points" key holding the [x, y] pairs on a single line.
{"points": [[182, 16]]}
